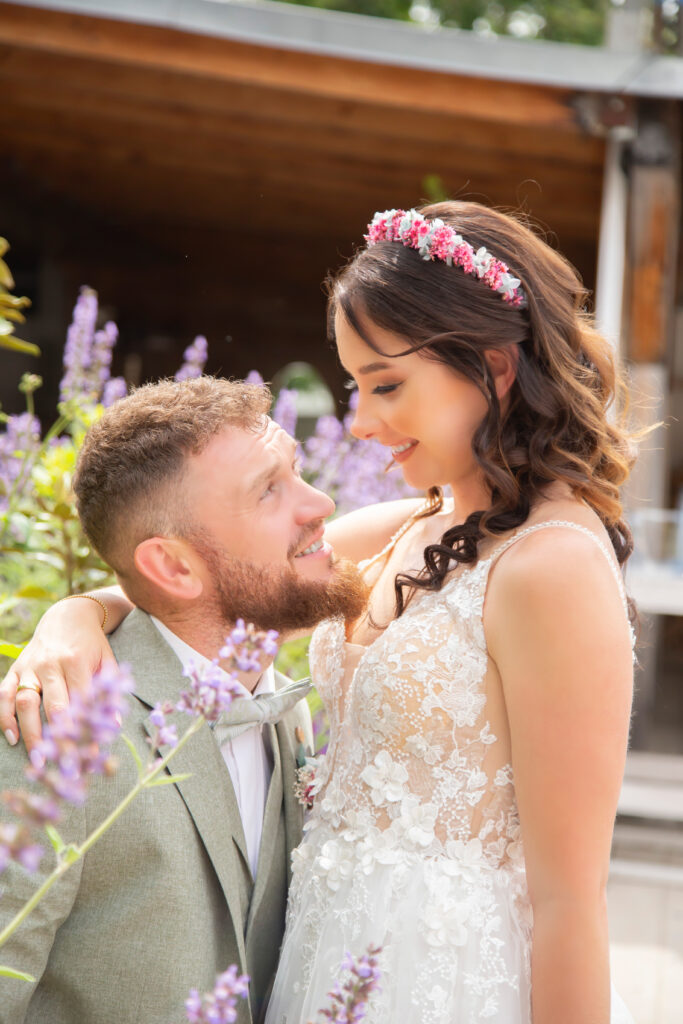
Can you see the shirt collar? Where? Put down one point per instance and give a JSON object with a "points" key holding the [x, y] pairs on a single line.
{"points": [[187, 655]]}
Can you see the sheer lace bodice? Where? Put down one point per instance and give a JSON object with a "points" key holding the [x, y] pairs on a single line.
{"points": [[419, 759], [414, 836]]}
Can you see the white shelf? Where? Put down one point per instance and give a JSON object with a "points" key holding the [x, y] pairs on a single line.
{"points": [[653, 786], [655, 591]]}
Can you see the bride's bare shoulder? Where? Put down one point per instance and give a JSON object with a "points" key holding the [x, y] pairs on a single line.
{"points": [[361, 534], [556, 566]]}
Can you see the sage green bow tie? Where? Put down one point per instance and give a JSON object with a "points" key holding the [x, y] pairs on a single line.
{"points": [[263, 709]]}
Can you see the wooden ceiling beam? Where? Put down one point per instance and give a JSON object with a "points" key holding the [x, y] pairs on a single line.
{"points": [[182, 193], [367, 135], [132, 144], [151, 194]]}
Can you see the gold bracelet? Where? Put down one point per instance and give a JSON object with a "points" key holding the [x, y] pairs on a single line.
{"points": [[96, 600]]}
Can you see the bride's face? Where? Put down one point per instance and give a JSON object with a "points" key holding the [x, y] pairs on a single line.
{"points": [[424, 412]]}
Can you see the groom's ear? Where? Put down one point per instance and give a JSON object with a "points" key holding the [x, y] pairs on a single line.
{"points": [[171, 565]]}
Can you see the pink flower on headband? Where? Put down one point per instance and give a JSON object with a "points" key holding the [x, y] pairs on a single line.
{"points": [[436, 240]]}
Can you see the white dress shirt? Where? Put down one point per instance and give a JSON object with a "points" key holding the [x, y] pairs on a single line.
{"points": [[246, 756]]}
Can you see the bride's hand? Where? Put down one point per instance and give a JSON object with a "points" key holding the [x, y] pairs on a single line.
{"points": [[67, 647]]}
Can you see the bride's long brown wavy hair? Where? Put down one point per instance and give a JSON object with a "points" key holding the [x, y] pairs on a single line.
{"points": [[556, 424]]}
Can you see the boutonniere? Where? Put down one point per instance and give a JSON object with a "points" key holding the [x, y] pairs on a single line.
{"points": [[304, 782]]}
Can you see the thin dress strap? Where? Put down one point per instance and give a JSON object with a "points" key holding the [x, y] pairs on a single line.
{"points": [[367, 563], [567, 524]]}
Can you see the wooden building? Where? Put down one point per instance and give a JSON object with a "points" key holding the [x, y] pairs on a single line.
{"points": [[205, 163]]}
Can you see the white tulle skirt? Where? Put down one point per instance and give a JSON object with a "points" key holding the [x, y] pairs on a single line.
{"points": [[455, 938]]}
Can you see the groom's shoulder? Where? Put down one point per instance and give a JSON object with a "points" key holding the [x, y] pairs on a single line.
{"points": [[137, 639]]}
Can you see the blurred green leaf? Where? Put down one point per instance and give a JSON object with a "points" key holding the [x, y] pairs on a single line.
{"points": [[56, 840], [9, 972], [9, 650]]}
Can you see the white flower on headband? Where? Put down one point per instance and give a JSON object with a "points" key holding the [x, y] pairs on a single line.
{"points": [[436, 240]]}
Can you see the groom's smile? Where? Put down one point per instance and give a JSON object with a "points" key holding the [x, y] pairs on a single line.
{"points": [[249, 496]]}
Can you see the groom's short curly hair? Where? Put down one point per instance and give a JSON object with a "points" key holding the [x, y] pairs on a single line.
{"points": [[129, 471]]}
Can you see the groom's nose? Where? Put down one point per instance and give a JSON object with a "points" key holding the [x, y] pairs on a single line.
{"points": [[314, 504]]}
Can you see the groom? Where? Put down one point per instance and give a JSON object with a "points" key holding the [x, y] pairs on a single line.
{"points": [[192, 495]]}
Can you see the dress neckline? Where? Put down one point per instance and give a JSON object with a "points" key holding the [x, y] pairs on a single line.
{"points": [[500, 549]]}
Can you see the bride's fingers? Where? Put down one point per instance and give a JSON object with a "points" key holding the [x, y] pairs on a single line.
{"points": [[8, 722], [107, 657], [55, 689], [28, 700]]}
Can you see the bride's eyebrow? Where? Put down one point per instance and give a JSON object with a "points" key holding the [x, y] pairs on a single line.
{"points": [[374, 368]]}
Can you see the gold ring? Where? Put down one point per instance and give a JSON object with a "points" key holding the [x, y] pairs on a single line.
{"points": [[36, 687]]}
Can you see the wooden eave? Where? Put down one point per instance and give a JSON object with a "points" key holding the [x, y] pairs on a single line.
{"points": [[183, 131]]}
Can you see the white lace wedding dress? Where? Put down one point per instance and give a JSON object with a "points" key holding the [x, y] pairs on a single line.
{"points": [[414, 839]]}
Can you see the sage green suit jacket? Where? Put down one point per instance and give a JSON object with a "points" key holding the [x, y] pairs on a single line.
{"points": [[165, 900]]}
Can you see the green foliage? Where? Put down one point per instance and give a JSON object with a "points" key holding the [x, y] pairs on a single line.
{"points": [[10, 309], [566, 21], [398, 9], [44, 554], [292, 661]]}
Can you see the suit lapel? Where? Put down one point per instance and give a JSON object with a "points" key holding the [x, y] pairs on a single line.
{"points": [[281, 791], [294, 812], [271, 823], [208, 793]]}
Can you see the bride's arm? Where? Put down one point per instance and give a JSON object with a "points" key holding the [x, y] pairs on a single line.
{"points": [[68, 645], [361, 534], [557, 631]]}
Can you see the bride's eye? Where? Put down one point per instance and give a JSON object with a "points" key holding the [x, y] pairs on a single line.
{"points": [[385, 389]]}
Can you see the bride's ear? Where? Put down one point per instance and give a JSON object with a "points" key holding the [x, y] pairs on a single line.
{"points": [[171, 566], [502, 364]]}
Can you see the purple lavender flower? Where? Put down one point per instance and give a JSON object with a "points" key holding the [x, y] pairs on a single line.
{"points": [[253, 377], [16, 844], [349, 1001], [270, 644], [220, 1005], [285, 412], [78, 354], [74, 744], [34, 808], [211, 691], [164, 735], [19, 441], [194, 356], [212, 688], [113, 390], [246, 646], [352, 471], [102, 351]]}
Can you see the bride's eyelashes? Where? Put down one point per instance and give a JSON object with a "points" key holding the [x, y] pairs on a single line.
{"points": [[381, 389]]}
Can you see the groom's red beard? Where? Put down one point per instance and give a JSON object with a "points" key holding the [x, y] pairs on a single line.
{"points": [[281, 599]]}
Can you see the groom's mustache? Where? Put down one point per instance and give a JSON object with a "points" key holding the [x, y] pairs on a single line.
{"points": [[307, 535]]}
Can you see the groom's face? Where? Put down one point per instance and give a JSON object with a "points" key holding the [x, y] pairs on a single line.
{"points": [[247, 496]]}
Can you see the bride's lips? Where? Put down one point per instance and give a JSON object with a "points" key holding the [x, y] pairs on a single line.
{"points": [[401, 456]]}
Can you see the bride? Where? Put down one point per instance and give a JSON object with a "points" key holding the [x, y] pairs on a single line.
{"points": [[480, 709]]}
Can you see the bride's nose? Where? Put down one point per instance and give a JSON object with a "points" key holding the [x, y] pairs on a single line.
{"points": [[364, 425]]}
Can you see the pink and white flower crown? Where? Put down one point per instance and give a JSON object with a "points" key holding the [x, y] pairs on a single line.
{"points": [[436, 240]]}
